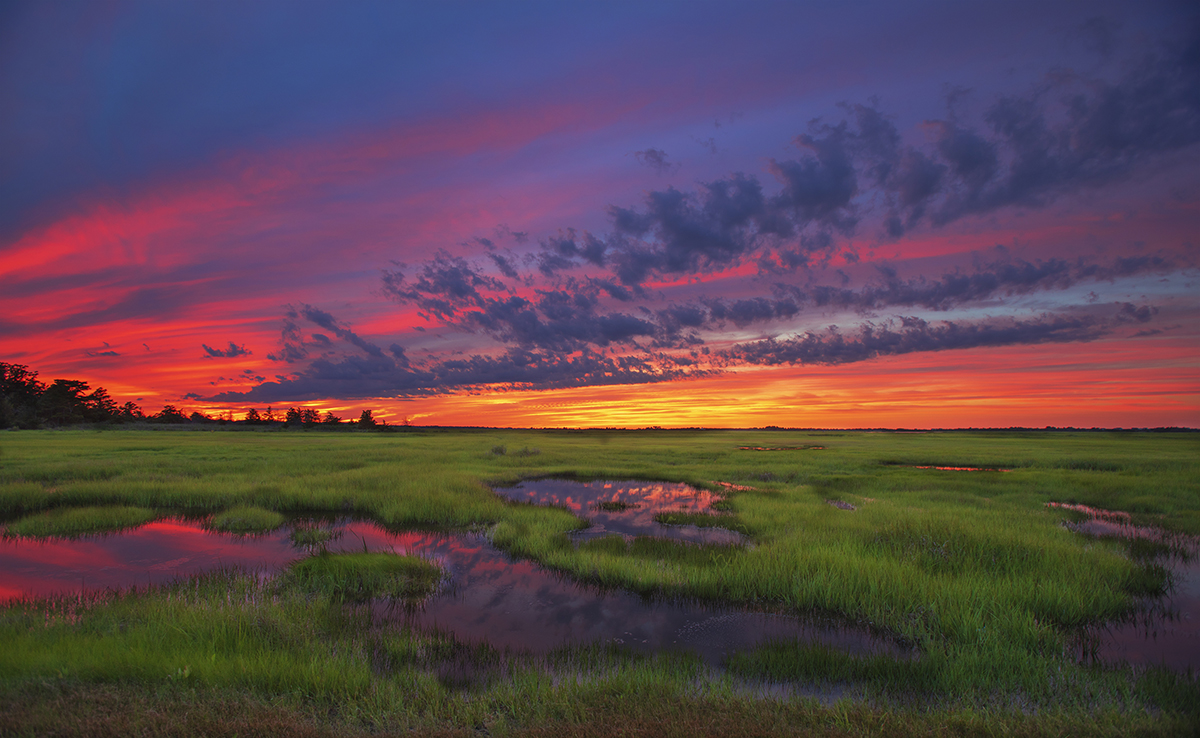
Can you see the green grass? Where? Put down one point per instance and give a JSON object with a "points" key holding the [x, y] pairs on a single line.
{"points": [[246, 519], [70, 522], [307, 535], [971, 568], [358, 577]]}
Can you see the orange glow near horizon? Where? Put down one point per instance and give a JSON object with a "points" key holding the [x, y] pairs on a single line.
{"points": [[944, 390]]}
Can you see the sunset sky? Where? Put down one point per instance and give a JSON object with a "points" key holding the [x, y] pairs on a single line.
{"points": [[721, 214]]}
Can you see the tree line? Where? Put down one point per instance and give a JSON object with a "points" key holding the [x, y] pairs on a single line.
{"points": [[27, 402]]}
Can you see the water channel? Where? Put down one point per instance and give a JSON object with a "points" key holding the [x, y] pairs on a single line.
{"points": [[518, 604], [490, 597], [1164, 630]]}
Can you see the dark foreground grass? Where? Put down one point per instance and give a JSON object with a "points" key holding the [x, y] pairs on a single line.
{"points": [[70, 522], [970, 568], [74, 709]]}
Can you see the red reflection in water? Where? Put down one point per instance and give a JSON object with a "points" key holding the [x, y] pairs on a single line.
{"points": [[1094, 512], [734, 487], [781, 448], [154, 553], [645, 500], [959, 468], [510, 604]]}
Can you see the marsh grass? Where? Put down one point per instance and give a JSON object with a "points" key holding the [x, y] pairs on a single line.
{"points": [[312, 535], [246, 519], [969, 568], [69, 522], [700, 519], [360, 577]]}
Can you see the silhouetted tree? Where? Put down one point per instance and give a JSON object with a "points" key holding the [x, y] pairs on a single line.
{"points": [[20, 384], [331, 419], [169, 414], [366, 420], [293, 416], [309, 416], [63, 402], [28, 403], [270, 416], [130, 412], [252, 417], [20, 392], [98, 406]]}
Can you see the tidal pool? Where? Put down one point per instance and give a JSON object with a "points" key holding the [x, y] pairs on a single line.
{"points": [[781, 448], [627, 508], [1163, 631], [961, 468], [490, 597]]}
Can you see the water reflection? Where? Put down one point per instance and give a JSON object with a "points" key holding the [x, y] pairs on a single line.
{"points": [[490, 597], [1163, 630], [627, 508], [960, 468], [781, 448], [520, 605]]}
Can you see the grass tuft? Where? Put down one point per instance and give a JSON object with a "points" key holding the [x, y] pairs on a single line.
{"points": [[246, 519], [311, 536], [359, 577]]}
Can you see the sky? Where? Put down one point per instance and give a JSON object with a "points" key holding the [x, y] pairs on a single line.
{"points": [[547, 214]]}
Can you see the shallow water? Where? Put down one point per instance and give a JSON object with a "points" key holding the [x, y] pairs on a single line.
{"points": [[1165, 631], [595, 502], [781, 448], [961, 468], [490, 597]]}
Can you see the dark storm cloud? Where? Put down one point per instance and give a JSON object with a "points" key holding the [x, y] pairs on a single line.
{"points": [[374, 374], [1071, 133], [656, 159], [988, 281], [1137, 313], [504, 264], [295, 348], [227, 353], [693, 233], [752, 310], [573, 316], [461, 295], [565, 250], [329, 323], [915, 334], [442, 286], [558, 320], [1078, 132], [1027, 150]]}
